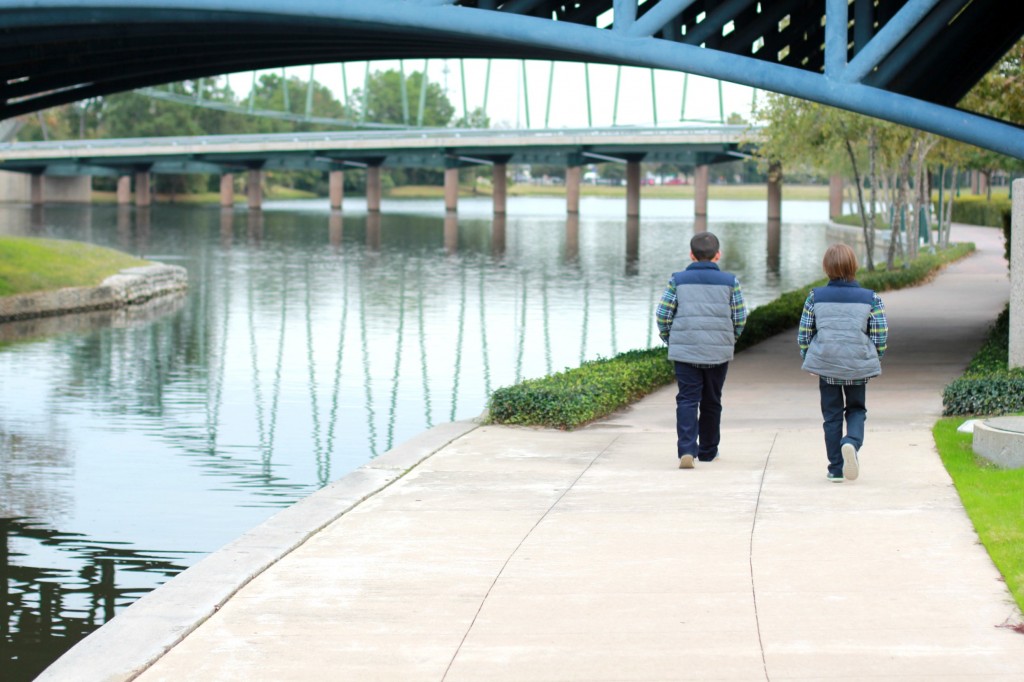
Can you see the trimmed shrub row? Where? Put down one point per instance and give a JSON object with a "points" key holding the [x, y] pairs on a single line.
{"points": [[977, 210], [594, 389], [988, 386]]}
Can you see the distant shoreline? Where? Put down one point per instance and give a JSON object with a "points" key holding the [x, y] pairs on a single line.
{"points": [[715, 192]]}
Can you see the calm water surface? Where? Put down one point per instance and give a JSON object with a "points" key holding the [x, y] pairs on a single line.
{"points": [[307, 344]]}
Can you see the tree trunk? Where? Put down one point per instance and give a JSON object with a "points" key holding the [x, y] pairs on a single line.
{"points": [[873, 176], [955, 184], [868, 236]]}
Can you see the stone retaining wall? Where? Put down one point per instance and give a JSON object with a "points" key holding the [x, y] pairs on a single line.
{"points": [[129, 287]]}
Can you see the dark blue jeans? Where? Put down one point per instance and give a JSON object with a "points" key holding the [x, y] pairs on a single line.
{"points": [[837, 403], [699, 409]]}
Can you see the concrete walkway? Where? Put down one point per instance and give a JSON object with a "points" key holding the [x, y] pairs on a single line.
{"points": [[520, 554]]}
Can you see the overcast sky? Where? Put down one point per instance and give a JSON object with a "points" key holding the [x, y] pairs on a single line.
{"points": [[507, 100]]}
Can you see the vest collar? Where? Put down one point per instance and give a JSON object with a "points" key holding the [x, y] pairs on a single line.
{"points": [[843, 283], [702, 265]]}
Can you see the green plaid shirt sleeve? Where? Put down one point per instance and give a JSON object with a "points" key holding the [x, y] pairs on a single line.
{"points": [[739, 308], [666, 311], [878, 326], [808, 328]]}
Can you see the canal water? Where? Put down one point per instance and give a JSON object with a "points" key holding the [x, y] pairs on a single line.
{"points": [[132, 444]]}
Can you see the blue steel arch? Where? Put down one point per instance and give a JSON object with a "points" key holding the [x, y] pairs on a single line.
{"points": [[906, 61]]}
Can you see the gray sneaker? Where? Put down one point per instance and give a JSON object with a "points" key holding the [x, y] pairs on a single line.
{"points": [[686, 462], [851, 465]]}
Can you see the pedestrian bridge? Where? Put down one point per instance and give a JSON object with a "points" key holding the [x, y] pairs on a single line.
{"points": [[906, 61], [335, 152]]}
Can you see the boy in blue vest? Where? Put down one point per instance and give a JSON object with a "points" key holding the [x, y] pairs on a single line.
{"points": [[700, 316], [843, 336]]}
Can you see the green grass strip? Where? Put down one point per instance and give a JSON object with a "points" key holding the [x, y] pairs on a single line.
{"points": [[992, 498], [574, 397], [28, 264]]}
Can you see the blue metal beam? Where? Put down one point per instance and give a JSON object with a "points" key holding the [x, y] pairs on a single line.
{"points": [[658, 16], [894, 31]]}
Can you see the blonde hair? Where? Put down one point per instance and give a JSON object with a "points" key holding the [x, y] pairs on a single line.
{"points": [[840, 262]]}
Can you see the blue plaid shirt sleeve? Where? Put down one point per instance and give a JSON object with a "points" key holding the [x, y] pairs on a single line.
{"points": [[666, 311], [808, 327], [878, 326], [739, 308]]}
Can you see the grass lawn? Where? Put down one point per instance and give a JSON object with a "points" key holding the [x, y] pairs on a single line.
{"points": [[38, 264], [994, 499]]}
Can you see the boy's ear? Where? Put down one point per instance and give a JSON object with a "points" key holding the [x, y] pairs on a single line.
{"points": [[692, 257], [717, 256]]}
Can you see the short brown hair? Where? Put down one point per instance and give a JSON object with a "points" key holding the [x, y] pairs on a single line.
{"points": [[704, 246], [840, 262]]}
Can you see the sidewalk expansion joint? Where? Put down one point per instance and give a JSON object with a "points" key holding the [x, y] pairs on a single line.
{"points": [[516, 549], [750, 555]]}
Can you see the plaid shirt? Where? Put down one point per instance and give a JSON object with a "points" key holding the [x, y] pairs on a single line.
{"points": [[666, 311], [878, 332]]}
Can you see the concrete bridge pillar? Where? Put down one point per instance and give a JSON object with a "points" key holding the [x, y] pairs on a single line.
{"points": [[373, 191], [124, 190], [1016, 358], [499, 186], [835, 196], [336, 188], [36, 191], [572, 189], [774, 192], [451, 233], [142, 194], [227, 190], [700, 191], [254, 189], [632, 188], [451, 189]]}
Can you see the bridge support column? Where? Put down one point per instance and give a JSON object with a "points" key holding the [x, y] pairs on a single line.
{"points": [[227, 190], [700, 191], [124, 190], [451, 189], [774, 192], [572, 189], [632, 188], [835, 197], [254, 189], [1016, 355], [499, 187], [36, 189], [336, 188], [373, 191], [142, 194]]}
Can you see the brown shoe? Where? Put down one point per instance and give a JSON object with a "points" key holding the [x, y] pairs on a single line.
{"points": [[686, 462]]}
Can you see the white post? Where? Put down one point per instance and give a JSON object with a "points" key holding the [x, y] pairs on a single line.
{"points": [[1016, 358]]}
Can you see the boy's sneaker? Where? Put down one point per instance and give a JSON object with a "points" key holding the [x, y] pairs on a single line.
{"points": [[686, 462], [712, 458], [851, 466], [835, 478]]}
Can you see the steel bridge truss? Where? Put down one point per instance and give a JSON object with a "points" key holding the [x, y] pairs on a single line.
{"points": [[906, 61]]}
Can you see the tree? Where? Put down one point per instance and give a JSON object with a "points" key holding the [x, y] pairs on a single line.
{"points": [[380, 101]]}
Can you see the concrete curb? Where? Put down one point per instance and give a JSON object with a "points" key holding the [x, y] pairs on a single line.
{"points": [[129, 287], [136, 638]]}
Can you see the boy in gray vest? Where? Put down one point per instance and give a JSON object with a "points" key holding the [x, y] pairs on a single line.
{"points": [[843, 336], [700, 316]]}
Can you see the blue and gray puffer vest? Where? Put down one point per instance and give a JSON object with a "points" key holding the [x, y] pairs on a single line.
{"points": [[702, 332], [841, 348]]}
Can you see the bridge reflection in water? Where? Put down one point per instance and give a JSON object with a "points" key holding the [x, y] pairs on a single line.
{"points": [[308, 343]]}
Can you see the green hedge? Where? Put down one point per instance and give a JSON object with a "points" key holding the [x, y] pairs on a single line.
{"points": [[977, 210], [988, 386], [576, 396]]}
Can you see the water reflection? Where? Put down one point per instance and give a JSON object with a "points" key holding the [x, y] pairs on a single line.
{"points": [[308, 343]]}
